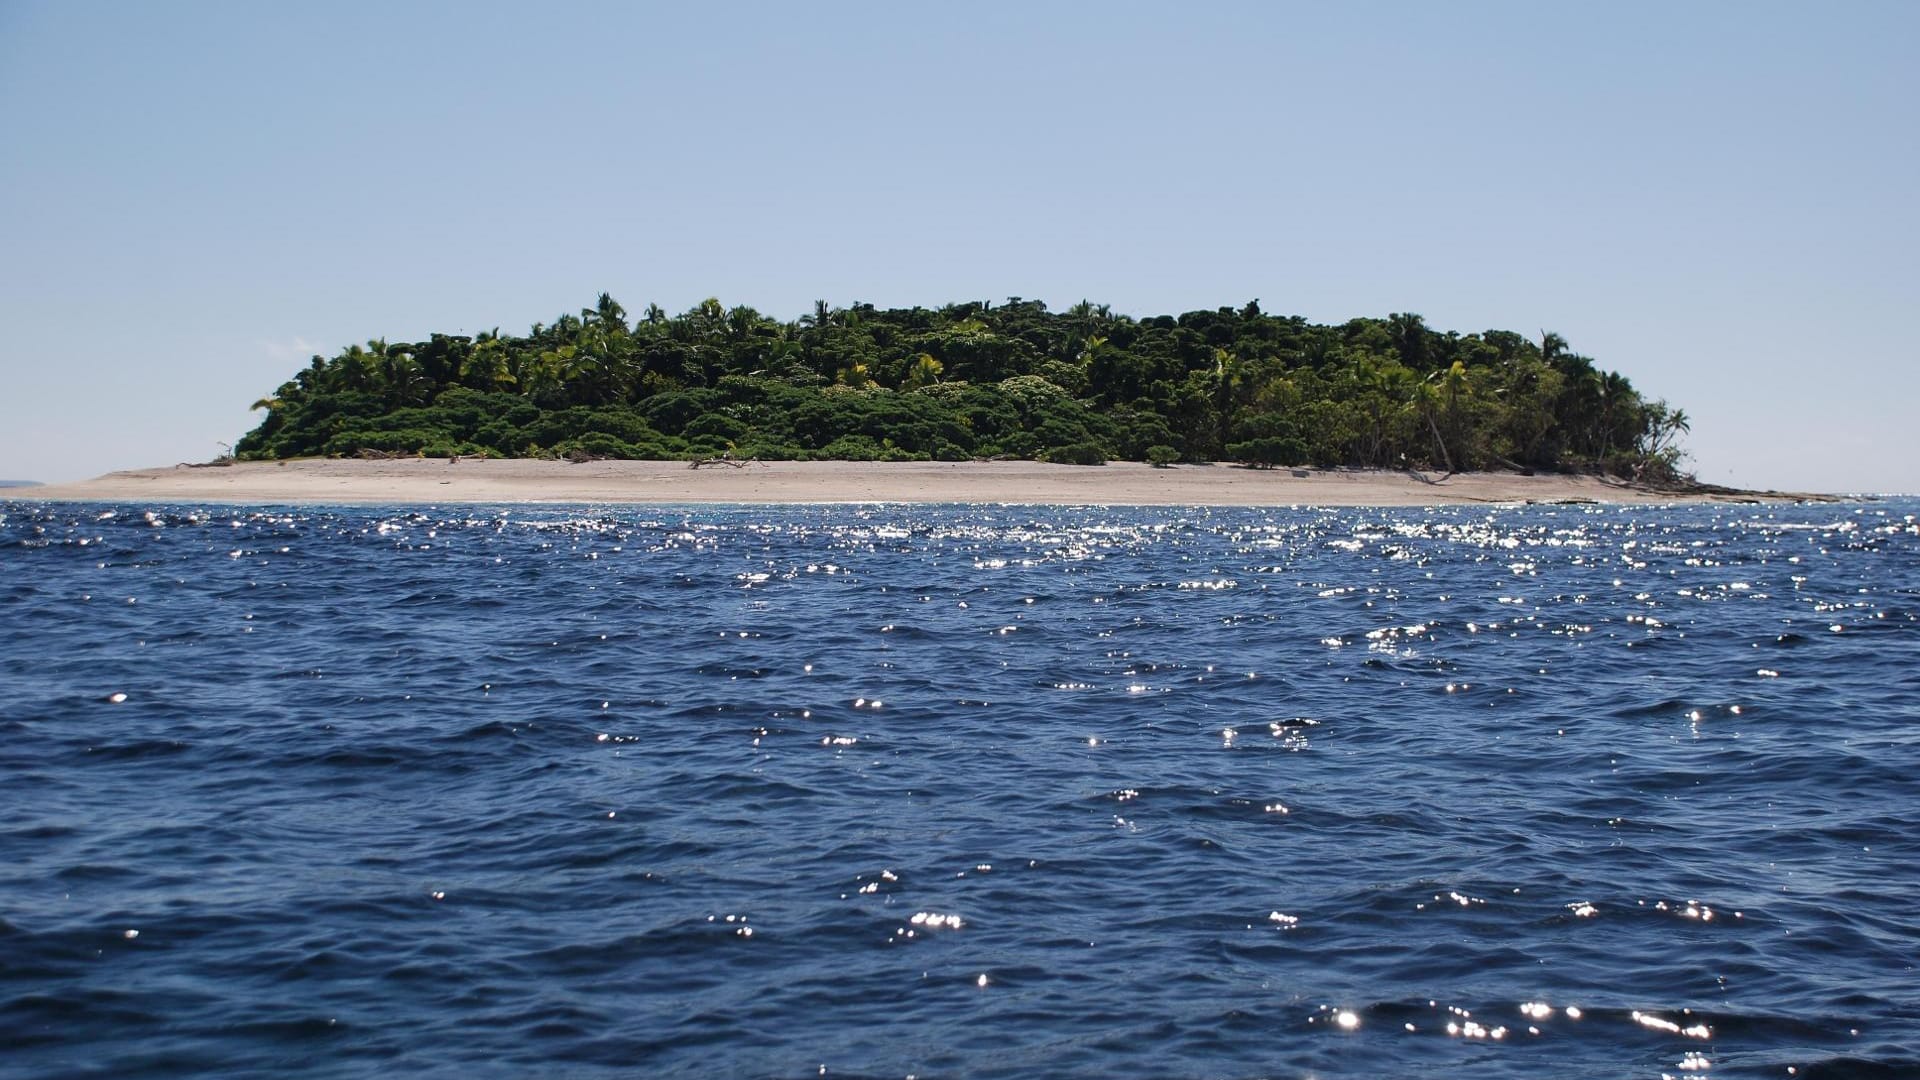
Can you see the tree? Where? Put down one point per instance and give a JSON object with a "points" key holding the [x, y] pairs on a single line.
{"points": [[854, 375], [608, 314], [1439, 399], [820, 318], [1659, 443], [978, 377], [924, 371], [1409, 334]]}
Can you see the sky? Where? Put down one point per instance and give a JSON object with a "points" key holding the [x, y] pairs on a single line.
{"points": [[1719, 200]]}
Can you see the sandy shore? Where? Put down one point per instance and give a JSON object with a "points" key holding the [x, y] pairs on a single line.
{"points": [[427, 481]]}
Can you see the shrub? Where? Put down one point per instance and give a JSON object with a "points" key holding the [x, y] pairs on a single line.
{"points": [[850, 448], [1021, 444], [890, 452], [715, 426], [674, 410], [768, 451], [406, 441], [599, 444], [1080, 453], [1268, 452], [1162, 456], [578, 422]]}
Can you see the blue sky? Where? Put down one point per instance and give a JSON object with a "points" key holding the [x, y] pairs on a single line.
{"points": [[1721, 200]]}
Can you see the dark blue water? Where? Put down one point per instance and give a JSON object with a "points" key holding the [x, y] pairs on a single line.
{"points": [[1490, 792]]}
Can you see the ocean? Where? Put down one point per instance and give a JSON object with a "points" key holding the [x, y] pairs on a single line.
{"points": [[961, 791]]}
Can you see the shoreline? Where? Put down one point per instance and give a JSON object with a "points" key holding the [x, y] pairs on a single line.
{"points": [[425, 481]]}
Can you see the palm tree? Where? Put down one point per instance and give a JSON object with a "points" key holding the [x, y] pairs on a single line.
{"points": [[1663, 426], [406, 381], [742, 322], [924, 370], [1439, 395], [1229, 380], [855, 375], [607, 313], [1551, 346], [1409, 333], [821, 317], [1617, 399], [1386, 389], [356, 368], [485, 365], [708, 318]]}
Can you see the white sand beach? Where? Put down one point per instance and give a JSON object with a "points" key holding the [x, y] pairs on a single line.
{"points": [[425, 481]]}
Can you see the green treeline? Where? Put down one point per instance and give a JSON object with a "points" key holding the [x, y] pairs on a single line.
{"points": [[978, 380]]}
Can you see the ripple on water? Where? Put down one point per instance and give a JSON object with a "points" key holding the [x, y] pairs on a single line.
{"points": [[995, 791]]}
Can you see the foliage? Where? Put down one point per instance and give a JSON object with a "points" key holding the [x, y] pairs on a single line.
{"points": [[978, 380], [1082, 453], [1269, 451]]}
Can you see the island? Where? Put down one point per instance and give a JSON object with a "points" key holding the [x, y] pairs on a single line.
{"points": [[969, 402], [974, 381]]}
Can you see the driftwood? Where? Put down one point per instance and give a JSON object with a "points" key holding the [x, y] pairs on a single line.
{"points": [[723, 459], [367, 453], [221, 461]]}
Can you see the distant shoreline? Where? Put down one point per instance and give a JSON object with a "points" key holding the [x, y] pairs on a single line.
{"points": [[423, 481]]}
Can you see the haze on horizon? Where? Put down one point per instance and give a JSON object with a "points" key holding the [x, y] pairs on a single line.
{"points": [[1715, 199]]}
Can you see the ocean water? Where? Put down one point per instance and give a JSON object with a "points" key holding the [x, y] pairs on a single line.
{"points": [[960, 792]]}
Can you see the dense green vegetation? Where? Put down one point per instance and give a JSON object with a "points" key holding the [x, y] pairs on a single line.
{"points": [[978, 380]]}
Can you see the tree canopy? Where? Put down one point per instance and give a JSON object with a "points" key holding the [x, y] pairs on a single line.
{"points": [[977, 379]]}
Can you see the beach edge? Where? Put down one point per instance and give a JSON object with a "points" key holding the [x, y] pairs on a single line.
{"points": [[428, 481]]}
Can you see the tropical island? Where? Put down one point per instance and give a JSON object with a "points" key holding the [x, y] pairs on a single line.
{"points": [[979, 380]]}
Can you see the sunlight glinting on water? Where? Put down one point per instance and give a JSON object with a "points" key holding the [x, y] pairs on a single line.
{"points": [[1593, 790]]}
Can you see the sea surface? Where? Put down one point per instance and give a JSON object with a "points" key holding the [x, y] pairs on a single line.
{"points": [[1009, 791]]}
